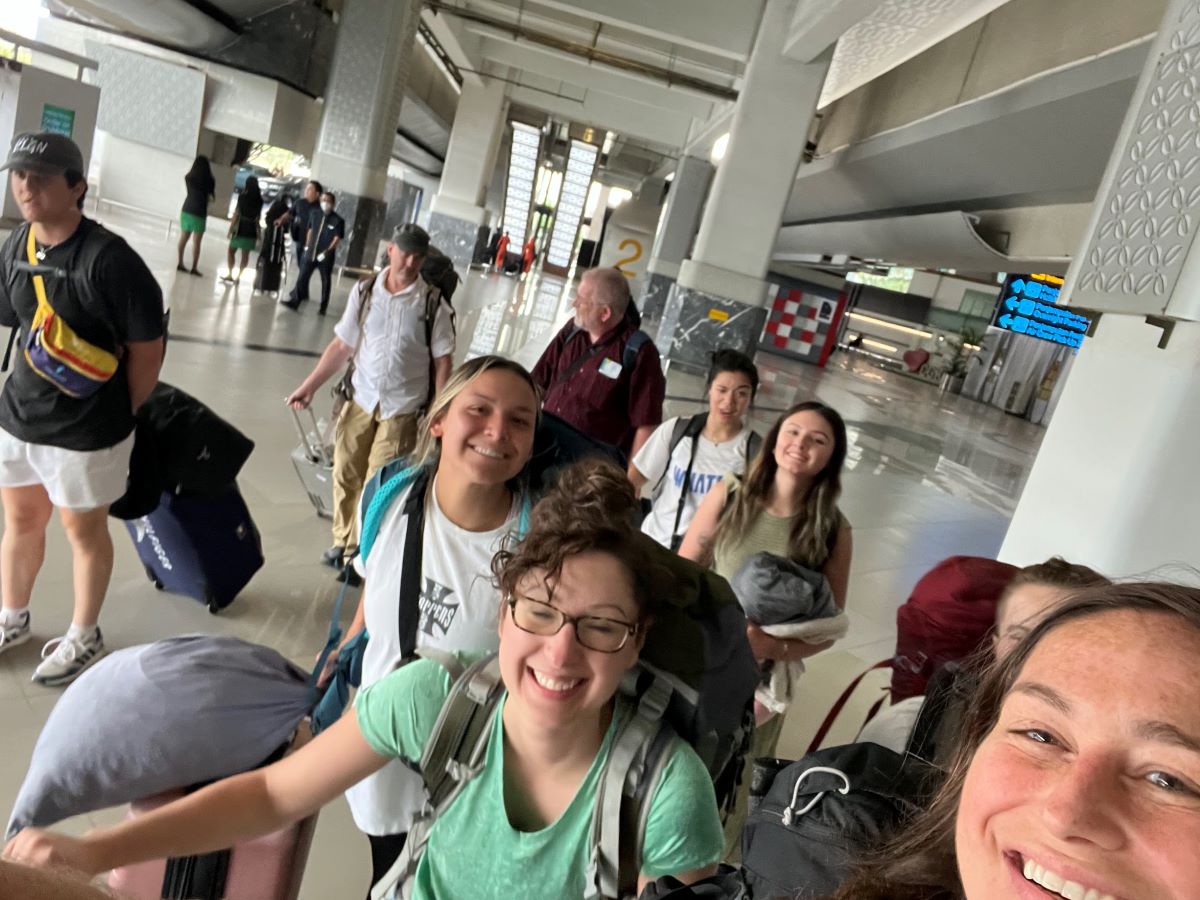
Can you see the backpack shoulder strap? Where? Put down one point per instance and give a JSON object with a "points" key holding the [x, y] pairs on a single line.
{"points": [[454, 754], [626, 787], [632, 347], [693, 429], [378, 494], [753, 443]]}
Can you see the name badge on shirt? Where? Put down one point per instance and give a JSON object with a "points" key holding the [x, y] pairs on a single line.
{"points": [[610, 368]]}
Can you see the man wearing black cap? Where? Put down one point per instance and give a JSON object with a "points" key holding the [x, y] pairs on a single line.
{"points": [[397, 335], [67, 411]]}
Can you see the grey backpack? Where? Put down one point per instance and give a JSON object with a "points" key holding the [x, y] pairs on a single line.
{"points": [[695, 681]]}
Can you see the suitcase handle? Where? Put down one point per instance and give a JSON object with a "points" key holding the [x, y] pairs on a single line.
{"points": [[317, 452]]}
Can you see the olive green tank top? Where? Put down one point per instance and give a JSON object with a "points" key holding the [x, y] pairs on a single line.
{"points": [[767, 533]]}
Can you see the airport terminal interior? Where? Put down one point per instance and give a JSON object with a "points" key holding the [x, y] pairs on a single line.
{"points": [[902, 208]]}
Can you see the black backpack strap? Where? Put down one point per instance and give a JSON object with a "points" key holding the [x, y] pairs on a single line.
{"points": [[410, 572], [695, 426], [433, 300], [753, 443]]}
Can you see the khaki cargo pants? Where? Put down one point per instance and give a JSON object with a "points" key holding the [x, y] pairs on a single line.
{"points": [[363, 442]]}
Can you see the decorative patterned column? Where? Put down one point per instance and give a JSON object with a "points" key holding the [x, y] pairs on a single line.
{"points": [[361, 110], [1114, 485]]}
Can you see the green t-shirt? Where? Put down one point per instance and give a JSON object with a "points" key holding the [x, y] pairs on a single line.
{"points": [[475, 854]]}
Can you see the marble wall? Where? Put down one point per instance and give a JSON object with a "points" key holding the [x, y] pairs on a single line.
{"points": [[695, 323], [654, 297], [454, 237]]}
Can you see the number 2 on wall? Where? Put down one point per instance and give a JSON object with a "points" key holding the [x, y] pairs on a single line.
{"points": [[624, 261]]}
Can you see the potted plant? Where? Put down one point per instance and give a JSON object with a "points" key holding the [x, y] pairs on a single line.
{"points": [[954, 372]]}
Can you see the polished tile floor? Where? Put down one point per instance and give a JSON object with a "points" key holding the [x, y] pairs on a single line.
{"points": [[928, 476]]}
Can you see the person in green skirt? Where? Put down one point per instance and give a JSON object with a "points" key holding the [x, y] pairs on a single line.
{"points": [[243, 229], [201, 188]]}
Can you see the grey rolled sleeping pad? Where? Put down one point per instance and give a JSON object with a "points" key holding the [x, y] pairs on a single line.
{"points": [[774, 590], [157, 717]]}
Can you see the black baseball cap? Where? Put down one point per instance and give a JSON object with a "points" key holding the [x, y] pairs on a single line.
{"points": [[411, 239], [44, 151]]}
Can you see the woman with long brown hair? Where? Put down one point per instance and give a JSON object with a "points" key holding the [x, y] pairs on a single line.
{"points": [[1078, 772], [786, 505]]}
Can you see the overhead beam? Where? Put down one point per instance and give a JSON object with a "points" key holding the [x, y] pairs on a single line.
{"points": [[714, 26], [590, 52], [563, 67], [603, 111], [819, 23]]}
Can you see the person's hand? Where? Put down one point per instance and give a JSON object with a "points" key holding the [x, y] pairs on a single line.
{"points": [[330, 667], [300, 398], [762, 645], [37, 847]]}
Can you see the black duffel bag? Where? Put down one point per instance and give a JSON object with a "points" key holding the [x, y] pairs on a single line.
{"points": [[811, 821]]}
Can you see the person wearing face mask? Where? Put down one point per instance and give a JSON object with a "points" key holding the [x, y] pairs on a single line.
{"points": [[325, 231], [397, 334]]}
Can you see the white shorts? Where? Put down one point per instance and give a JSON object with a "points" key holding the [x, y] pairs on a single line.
{"points": [[74, 479]]}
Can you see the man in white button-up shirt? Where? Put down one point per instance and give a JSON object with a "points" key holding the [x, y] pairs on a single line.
{"points": [[400, 334]]}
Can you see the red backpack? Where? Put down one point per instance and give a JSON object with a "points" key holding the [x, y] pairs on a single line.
{"points": [[947, 618]]}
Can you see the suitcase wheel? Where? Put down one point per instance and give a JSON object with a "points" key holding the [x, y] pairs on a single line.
{"points": [[214, 605], [154, 579]]}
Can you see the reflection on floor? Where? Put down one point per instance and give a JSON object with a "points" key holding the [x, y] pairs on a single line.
{"points": [[928, 476]]}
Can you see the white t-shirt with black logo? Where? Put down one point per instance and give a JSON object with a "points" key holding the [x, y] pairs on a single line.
{"points": [[712, 462], [459, 608]]}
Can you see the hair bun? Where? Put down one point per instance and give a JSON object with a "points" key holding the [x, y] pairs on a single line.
{"points": [[587, 495]]}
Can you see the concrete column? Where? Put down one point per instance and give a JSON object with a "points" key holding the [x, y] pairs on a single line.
{"points": [[457, 210], [361, 110], [1114, 484], [719, 296], [676, 231], [595, 230]]}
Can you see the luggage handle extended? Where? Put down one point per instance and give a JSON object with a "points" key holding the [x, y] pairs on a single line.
{"points": [[318, 452]]}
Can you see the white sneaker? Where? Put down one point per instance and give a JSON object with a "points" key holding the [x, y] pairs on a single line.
{"points": [[13, 634], [64, 659]]}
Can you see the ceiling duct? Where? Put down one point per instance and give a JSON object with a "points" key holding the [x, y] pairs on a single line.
{"points": [[945, 240], [174, 23]]}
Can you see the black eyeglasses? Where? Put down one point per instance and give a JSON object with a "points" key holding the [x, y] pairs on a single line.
{"points": [[594, 632]]}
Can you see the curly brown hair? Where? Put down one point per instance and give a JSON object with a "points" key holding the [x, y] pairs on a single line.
{"points": [[590, 509]]}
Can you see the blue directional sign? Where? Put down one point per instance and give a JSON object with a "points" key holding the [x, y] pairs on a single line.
{"points": [[1029, 306]]}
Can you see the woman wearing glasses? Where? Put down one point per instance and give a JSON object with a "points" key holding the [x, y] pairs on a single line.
{"points": [[577, 602]]}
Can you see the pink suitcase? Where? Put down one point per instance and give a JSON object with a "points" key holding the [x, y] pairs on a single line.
{"points": [[266, 868]]}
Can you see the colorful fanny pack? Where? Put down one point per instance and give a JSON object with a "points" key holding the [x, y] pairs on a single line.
{"points": [[55, 352]]}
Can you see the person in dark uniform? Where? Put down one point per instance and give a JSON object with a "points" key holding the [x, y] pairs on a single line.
{"points": [[296, 219], [243, 230], [201, 188], [325, 231], [66, 419]]}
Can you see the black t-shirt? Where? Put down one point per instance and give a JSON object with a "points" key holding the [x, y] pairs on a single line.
{"points": [[248, 211], [325, 227], [110, 299], [302, 211], [199, 189]]}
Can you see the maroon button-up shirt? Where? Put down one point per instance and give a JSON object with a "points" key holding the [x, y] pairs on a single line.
{"points": [[602, 399]]}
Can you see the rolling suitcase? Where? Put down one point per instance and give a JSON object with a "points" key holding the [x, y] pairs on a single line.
{"points": [[269, 277], [206, 547], [270, 867], [313, 460]]}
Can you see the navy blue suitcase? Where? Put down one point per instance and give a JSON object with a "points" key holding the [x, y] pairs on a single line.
{"points": [[206, 547]]}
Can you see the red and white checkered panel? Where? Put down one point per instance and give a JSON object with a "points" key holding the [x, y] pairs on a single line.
{"points": [[793, 329]]}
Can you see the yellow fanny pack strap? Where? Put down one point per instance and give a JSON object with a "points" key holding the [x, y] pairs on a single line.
{"points": [[39, 284]]}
